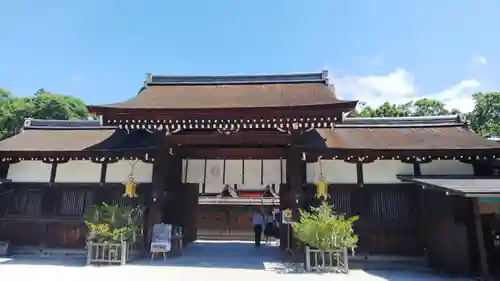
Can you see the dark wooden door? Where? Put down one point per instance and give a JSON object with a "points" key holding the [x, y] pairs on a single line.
{"points": [[224, 222]]}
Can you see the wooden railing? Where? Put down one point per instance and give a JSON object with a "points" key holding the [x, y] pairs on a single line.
{"points": [[330, 261], [111, 253]]}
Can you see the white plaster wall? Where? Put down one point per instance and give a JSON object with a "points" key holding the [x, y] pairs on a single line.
{"points": [[119, 172], [29, 171], [334, 171], [194, 170], [78, 171], [234, 172], [271, 170], [446, 167], [385, 171], [252, 170], [216, 173], [214, 176]]}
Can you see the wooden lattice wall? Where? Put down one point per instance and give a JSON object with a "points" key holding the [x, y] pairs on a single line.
{"points": [[50, 216]]}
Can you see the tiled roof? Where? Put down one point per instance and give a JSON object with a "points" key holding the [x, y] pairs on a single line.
{"points": [[409, 133], [60, 135], [382, 134], [221, 92]]}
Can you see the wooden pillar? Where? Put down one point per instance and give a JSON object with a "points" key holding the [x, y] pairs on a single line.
{"points": [[423, 222], [296, 171], [483, 261], [295, 175], [173, 205], [159, 181]]}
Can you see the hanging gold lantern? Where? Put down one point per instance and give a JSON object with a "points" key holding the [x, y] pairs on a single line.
{"points": [[322, 185], [130, 187], [322, 188]]}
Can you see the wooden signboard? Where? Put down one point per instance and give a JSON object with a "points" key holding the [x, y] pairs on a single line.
{"points": [[286, 216], [161, 241]]}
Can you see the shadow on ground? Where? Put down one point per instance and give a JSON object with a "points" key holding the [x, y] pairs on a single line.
{"points": [[44, 261], [209, 254], [240, 255], [226, 254]]}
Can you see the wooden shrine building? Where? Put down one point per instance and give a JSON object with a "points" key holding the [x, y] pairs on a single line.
{"points": [[205, 150]]}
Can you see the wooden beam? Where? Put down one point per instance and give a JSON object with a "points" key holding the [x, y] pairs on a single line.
{"points": [[240, 138], [233, 153], [319, 110]]}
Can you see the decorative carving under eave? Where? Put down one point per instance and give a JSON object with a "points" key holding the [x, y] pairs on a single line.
{"points": [[229, 129], [148, 161], [359, 159], [57, 160], [311, 157], [65, 159], [283, 123], [299, 128], [104, 160], [10, 160], [416, 159]]}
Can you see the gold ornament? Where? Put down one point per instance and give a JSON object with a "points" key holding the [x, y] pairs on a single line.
{"points": [[130, 187], [322, 188]]}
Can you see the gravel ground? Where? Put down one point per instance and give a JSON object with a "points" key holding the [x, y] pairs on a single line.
{"points": [[201, 261]]}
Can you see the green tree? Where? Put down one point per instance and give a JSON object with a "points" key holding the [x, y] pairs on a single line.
{"points": [[42, 105], [323, 230], [485, 118], [422, 107]]}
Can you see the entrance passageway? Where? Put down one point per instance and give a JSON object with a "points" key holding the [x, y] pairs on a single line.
{"points": [[227, 254]]}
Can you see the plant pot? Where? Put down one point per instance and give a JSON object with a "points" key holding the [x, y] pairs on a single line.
{"points": [[110, 253], [334, 260]]}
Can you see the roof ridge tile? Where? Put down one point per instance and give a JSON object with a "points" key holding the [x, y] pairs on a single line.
{"points": [[32, 123], [320, 77], [410, 121]]}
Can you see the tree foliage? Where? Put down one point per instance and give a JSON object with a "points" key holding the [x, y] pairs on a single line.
{"points": [[322, 229], [422, 107], [114, 224], [485, 118], [42, 105]]}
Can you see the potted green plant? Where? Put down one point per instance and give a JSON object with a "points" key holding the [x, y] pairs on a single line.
{"points": [[327, 238], [113, 231]]}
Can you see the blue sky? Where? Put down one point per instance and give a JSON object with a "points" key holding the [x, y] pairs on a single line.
{"points": [[380, 50]]}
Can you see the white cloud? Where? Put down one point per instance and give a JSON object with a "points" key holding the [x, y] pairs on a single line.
{"points": [[399, 87], [479, 60]]}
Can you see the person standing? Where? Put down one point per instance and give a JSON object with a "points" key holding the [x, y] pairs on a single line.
{"points": [[269, 228], [257, 221]]}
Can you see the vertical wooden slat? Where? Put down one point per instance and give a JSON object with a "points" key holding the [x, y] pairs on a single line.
{"points": [[53, 172], [104, 169], [416, 170], [483, 261], [224, 171], [359, 174]]}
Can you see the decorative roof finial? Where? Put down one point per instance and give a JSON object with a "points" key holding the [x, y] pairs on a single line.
{"points": [[149, 79], [324, 76]]}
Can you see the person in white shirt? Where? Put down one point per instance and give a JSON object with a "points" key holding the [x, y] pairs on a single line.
{"points": [[258, 223]]}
